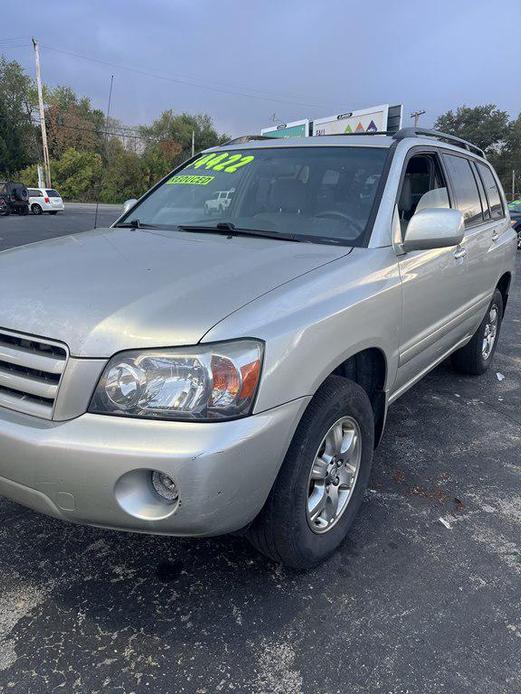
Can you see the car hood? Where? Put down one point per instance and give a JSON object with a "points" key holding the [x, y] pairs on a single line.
{"points": [[113, 289]]}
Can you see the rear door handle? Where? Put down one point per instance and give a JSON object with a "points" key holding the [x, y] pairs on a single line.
{"points": [[495, 235], [460, 252]]}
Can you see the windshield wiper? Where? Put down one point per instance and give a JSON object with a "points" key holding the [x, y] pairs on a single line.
{"points": [[230, 230]]}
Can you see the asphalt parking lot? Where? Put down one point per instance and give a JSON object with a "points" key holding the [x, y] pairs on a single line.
{"points": [[17, 231], [410, 604]]}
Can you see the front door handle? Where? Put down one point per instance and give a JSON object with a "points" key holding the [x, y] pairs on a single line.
{"points": [[460, 252], [495, 235]]}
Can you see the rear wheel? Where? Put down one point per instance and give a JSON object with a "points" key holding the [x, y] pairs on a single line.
{"points": [[321, 483], [36, 209], [476, 356]]}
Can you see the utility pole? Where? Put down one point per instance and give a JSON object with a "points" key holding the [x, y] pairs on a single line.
{"points": [[416, 115], [46, 164], [107, 121], [513, 184], [193, 143]]}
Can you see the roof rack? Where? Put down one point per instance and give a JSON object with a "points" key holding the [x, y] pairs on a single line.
{"points": [[444, 137], [371, 132], [250, 138]]}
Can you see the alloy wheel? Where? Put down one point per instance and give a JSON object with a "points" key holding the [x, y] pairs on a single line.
{"points": [[334, 474], [489, 336]]}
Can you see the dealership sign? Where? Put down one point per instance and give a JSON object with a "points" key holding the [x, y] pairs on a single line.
{"points": [[368, 120], [376, 119], [298, 128]]}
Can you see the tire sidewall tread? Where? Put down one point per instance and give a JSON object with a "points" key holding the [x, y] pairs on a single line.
{"points": [[281, 530]]}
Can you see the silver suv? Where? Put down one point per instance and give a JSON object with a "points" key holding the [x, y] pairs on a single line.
{"points": [[183, 375]]}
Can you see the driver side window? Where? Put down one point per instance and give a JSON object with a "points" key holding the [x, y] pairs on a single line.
{"points": [[423, 187]]}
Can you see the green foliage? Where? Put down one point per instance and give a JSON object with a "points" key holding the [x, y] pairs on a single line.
{"points": [[485, 126], [492, 130], [28, 176], [77, 174], [72, 122], [123, 176], [169, 138], [17, 133]]}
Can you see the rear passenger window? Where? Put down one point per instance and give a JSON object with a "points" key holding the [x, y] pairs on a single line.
{"points": [[465, 189], [484, 202], [491, 189]]}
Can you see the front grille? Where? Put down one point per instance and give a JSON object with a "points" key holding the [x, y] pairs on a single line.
{"points": [[30, 373]]}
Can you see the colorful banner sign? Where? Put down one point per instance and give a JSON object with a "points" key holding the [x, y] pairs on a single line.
{"points": [[298, 128], [364, 121]]}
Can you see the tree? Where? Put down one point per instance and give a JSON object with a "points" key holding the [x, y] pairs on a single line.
{"points": [[123, 175], [18, 143], [72, 122], [509, 159], [169, 138], [485, 126], [77, 174]]}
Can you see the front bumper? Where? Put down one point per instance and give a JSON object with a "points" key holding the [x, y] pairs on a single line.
{"points": [[94, 469]]}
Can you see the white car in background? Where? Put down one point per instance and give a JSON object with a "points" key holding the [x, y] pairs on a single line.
{"points": [[219, 202], [45, 200]]}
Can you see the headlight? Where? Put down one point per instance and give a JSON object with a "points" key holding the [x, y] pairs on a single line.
{"points": [[208, 382]]}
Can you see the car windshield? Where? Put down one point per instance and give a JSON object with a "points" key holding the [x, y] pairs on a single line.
{"points": [[313, 193], [515, 206]]}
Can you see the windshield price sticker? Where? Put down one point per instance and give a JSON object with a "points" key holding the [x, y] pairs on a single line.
{"points": [[223, 161], [191, 180]]}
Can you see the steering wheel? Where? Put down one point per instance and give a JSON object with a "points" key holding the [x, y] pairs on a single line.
{"points": [[336, 214]]}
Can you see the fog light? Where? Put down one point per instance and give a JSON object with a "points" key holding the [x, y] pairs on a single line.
{"points": [[164, 486]]}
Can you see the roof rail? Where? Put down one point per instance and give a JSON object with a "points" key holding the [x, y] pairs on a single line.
{"points": [[249, 138], [444, 137]]}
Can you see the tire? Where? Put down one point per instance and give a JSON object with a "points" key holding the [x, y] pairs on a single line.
{"points": [[20, 192], [473, 358], [283, 529], [24, 210], [36, 209]]}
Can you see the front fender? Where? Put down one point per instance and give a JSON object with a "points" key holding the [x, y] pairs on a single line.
{"points": [[315, 322]]}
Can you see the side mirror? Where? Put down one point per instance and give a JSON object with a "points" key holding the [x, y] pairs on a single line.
{"points": [[128, 204], [434, 228]]}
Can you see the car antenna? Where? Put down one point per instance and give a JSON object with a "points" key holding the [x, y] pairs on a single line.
{"points": [[107, 116]]}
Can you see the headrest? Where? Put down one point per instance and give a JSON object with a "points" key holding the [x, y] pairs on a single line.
{"points": [[406, 202], [288, 195]]}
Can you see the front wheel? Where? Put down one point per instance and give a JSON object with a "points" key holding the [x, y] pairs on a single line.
{"points": [[476, 356], [321, 483], [36, 209]]}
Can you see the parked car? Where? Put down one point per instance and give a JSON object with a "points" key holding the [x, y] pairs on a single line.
{"points": [[45, 200], [219, 202], [14, 197], [189, 376], [4, 210]]}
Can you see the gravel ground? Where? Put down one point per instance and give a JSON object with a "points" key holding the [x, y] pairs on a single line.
{"points": [[408, 605]]}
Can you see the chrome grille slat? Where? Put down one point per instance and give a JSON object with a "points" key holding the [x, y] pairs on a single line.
{"points": [[31, 369], [24, 404], [31, 386], [31, 360]]}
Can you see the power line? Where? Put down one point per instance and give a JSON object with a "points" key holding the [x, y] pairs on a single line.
{"points": [[98, 131], [188, 82]]}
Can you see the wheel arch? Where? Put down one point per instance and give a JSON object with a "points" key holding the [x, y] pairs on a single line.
{"points": [[504, 285], [368, 368]]}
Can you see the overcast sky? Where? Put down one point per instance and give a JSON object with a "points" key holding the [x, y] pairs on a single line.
{"points": [[243, 60]]}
